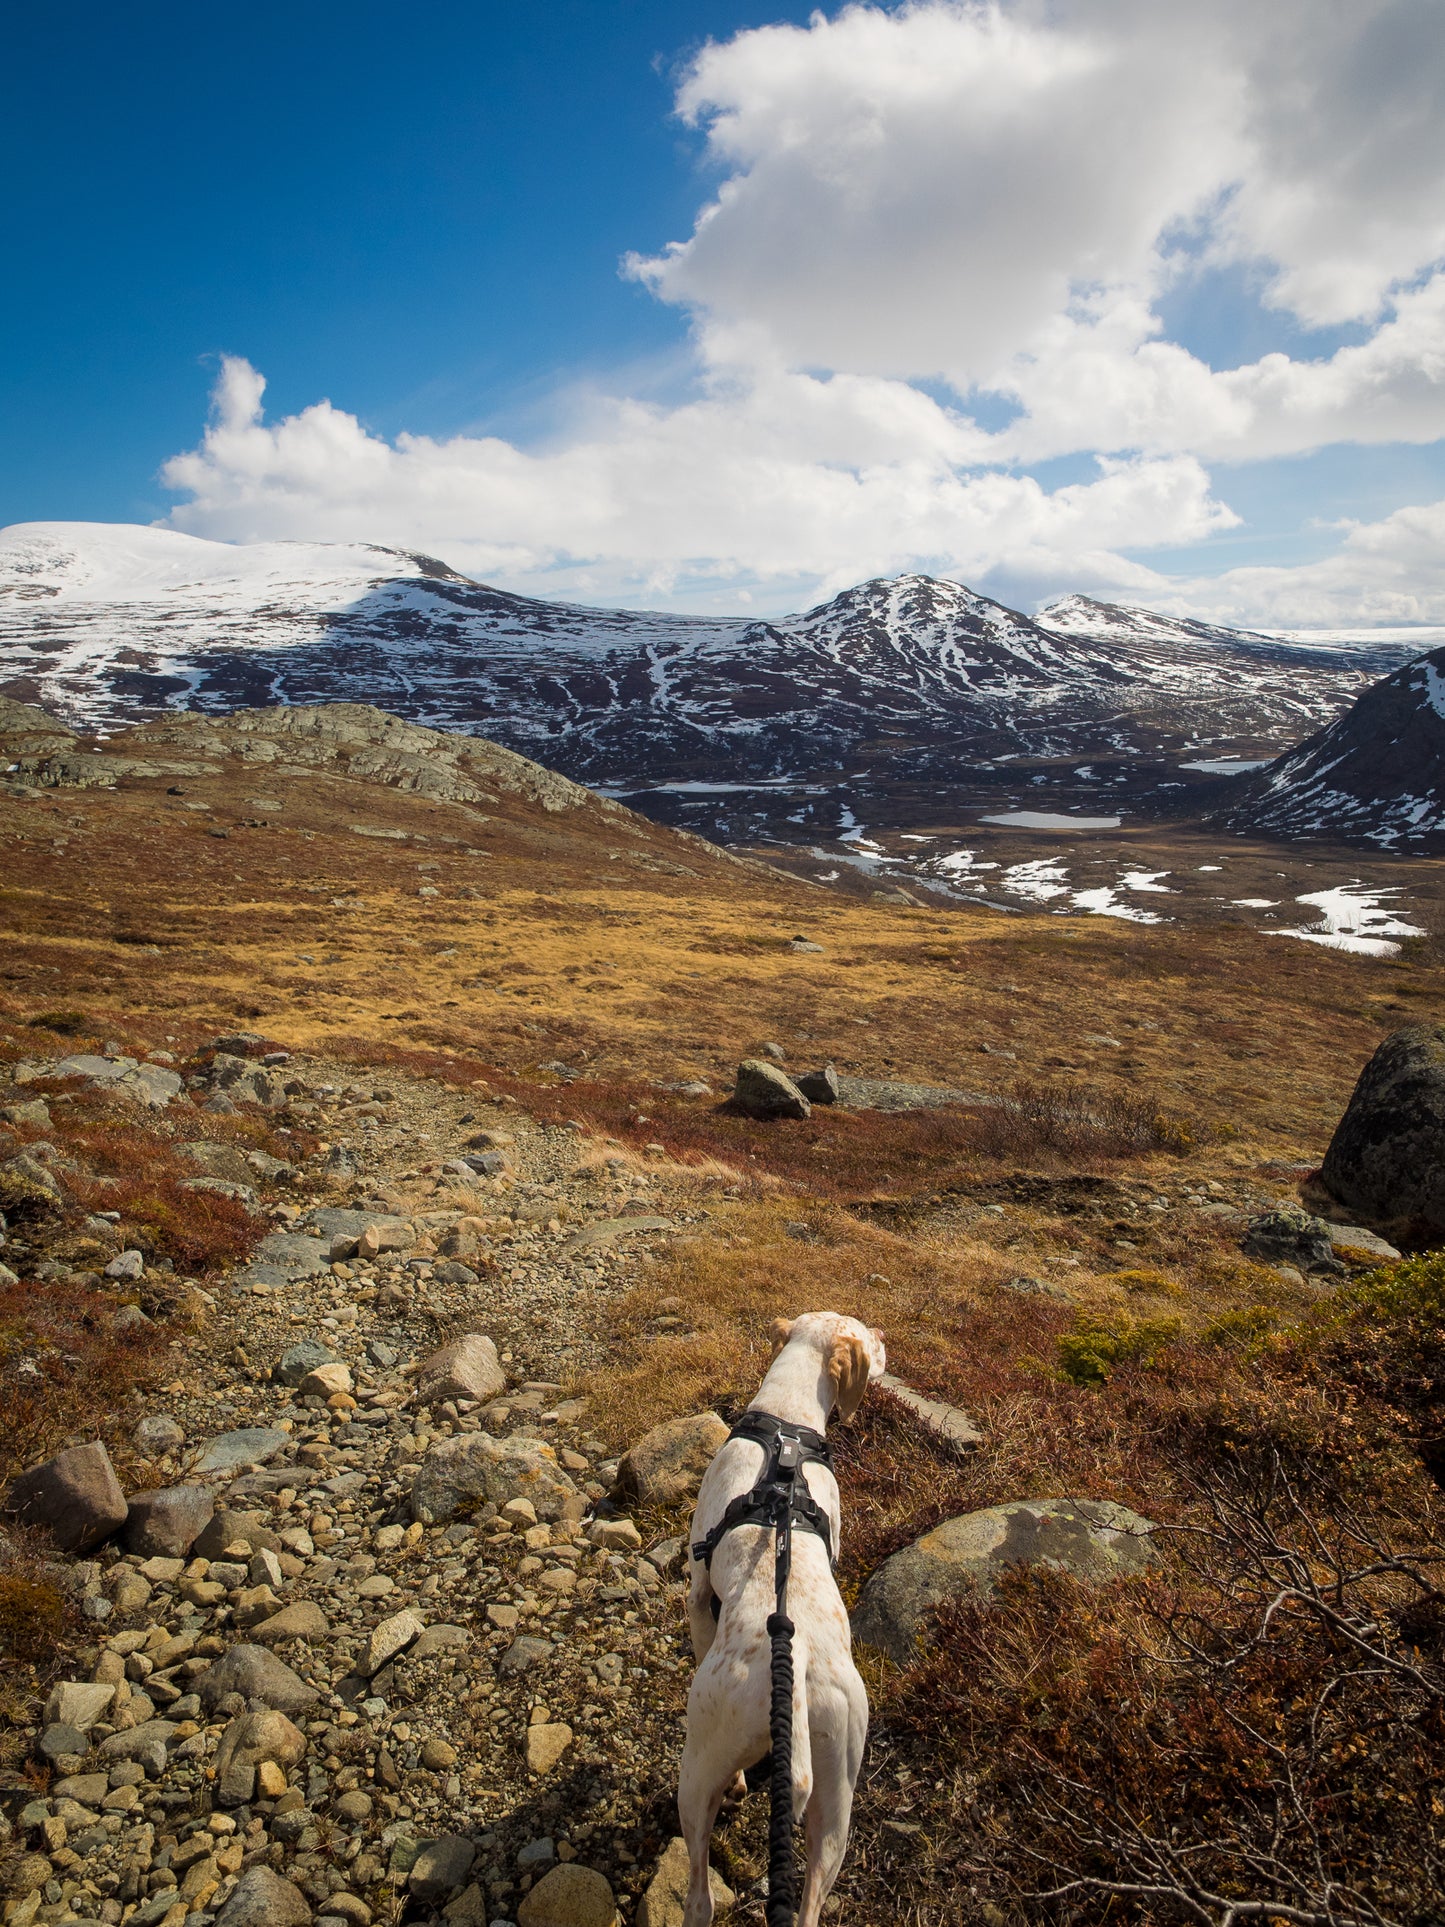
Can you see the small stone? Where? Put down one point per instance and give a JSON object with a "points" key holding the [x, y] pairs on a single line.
{"points": [[546, 1744], [441, 1868], [388, 1639], [247, 1741], [75, 1496], [256, 1674], [353, 1807], [62, 1742], [473, 1466], [524, 1652], [322, 1380], [820, 1087], [569, 1896], [438, 1755], [615, 1535], [127, 1264], [440, 1639], [263, 1899]]}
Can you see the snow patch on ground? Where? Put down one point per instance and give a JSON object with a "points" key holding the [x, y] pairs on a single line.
{"points": [[1354, 918], [1042, 820]]}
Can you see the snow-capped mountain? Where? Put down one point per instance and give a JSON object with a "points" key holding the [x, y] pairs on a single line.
{"points": [[904, 681], [1376, 774]]}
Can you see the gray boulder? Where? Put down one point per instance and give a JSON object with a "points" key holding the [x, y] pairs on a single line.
{"points": [[297, 1360], [246, 1742], [243, 1082], [467, 1368], [820, 1087], [461, 1473], [75, 1496], [248, 1445], [441, 1868], [1289, 1236], [257, 1675], [667, 1463], [168, 1522], [762, 1090], [1386, 1160], [262, 1898], [1093, 1539]]}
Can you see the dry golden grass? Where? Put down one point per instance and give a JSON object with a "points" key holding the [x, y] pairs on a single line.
{"points": [[565, 941]]}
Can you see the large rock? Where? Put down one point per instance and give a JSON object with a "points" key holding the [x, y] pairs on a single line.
{"points": [[662, 1904], [1290, 1236], [461, 1473], [467, 1240], [570, 1896], [466, 1368], [75, 1496], [79, 1703], [441, 1868], [167, 1523], [244, 1082], [258, 1676], [1386, 1160], [222, 1161], [303, 1620], [762, 1090], [667, 1463], [228, 1528], [263, 1899], [820, 1087], [247, 1445], [1093, 1539], [299, 1359], [246, 1742]]}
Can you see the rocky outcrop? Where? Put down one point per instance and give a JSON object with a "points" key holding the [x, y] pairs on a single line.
{"points": [[1386, 1160], [1090, 1538]]}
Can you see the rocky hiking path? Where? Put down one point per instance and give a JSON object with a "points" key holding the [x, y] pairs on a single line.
{"points": [[378, 1644]]}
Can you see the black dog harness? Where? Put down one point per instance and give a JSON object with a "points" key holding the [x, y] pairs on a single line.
{"points": [[786, 1450], [778, 1500]]}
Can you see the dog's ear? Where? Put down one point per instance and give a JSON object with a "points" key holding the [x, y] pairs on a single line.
{"points": [[848, 1369], [781, 1330]]}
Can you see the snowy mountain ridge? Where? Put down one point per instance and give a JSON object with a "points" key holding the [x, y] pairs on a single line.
{"points": [[893, 683]]}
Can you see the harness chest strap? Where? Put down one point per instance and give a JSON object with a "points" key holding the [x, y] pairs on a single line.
{"points": [[779, 1492]]}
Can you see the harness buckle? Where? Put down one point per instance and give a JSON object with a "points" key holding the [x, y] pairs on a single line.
{"points": [[790, 1453]]}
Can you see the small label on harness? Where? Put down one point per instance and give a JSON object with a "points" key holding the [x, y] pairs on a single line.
{"points": [[790, 1453]]}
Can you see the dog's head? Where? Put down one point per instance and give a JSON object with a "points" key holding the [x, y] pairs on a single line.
{"points": [[853, 1352]]}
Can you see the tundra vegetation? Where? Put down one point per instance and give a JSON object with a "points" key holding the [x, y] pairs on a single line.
{"points": [[1251, 1729]]}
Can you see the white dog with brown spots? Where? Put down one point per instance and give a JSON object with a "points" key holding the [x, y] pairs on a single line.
{"points": [[821, 1364]]}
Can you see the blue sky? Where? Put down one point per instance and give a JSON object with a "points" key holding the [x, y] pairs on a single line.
{"points": [[1129, 296]]}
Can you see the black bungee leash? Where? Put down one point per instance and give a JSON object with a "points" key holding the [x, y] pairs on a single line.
{"points": [[779, 1499]]}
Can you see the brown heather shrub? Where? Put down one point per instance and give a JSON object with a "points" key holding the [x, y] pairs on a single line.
{"points": [[1079, 1122]]}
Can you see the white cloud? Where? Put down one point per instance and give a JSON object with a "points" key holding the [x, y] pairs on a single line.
{"points": [[789, 480], [991, 197], [1386, 572]]}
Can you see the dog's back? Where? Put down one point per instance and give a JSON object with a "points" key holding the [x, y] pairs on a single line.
{"points": [[820, 1361]]}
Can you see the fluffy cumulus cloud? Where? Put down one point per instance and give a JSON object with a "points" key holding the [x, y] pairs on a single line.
{"points": [[928, 221]]}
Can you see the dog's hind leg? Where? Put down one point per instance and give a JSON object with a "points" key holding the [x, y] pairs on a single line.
{"points": [[837, 1755], [700, 1789]]}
